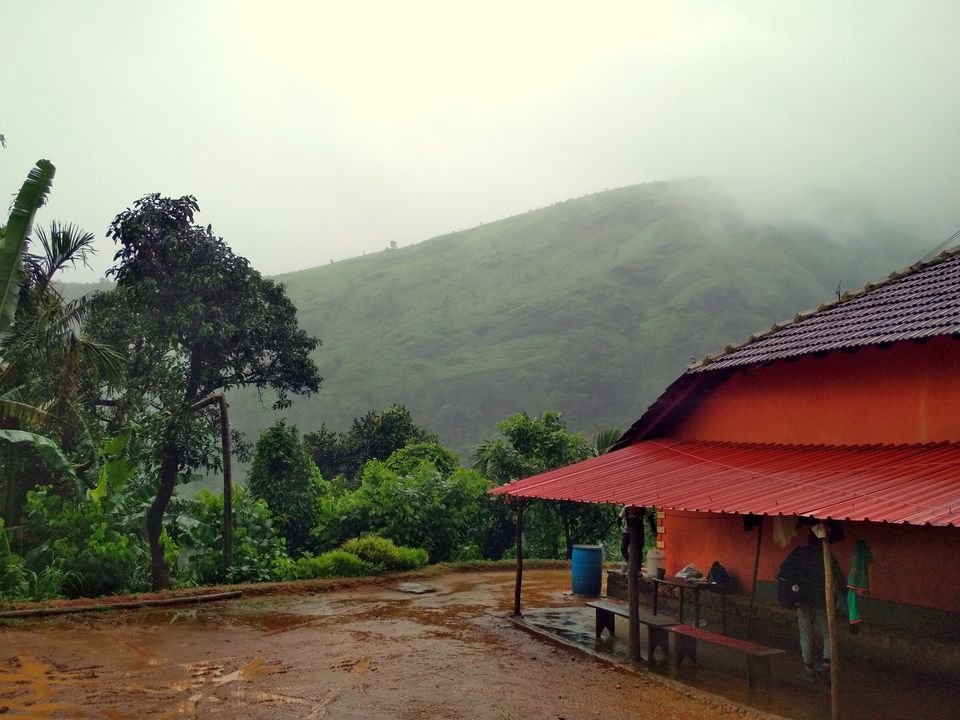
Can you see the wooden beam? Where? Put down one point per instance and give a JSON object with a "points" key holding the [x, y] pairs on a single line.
{"points": [[822, 531], [521, 502], [756, 568], [227, 486], [635, 527]]}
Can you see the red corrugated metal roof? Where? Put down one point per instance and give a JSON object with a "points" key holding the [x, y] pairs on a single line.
{"points": [[916, 485], [920, 302]]}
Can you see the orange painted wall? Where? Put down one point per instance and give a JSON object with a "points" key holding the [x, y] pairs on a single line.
{"points": [[912, 565], [909, 393]]}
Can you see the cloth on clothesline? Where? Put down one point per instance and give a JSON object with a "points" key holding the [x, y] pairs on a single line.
{"points": [[858, 581]]}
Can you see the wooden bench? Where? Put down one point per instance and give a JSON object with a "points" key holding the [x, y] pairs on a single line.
{"points": [[607, 613], [758, 656]]}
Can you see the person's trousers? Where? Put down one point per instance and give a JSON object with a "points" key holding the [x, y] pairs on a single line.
{"points": [[808, 619]]}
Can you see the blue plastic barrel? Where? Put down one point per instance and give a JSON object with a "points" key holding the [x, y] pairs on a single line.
{"points": [[587, 569]]}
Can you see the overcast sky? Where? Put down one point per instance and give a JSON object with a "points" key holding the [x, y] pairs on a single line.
{"points": [[312, 131]]}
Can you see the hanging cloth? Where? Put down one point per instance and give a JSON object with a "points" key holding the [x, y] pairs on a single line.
{"points": [[784, 528], [858, 581]]}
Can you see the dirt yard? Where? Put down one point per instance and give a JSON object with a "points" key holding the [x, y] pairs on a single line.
{"points": [[370, 652]]}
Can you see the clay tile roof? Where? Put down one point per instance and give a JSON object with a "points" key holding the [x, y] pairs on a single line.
{"points": [[919, 302]]}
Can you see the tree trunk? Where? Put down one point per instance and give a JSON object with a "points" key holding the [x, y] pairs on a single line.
{"points": [[168, 479], [566, 534]]}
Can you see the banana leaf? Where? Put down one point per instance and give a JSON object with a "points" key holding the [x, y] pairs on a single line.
{"points": [[43, 446], [31, 197]]}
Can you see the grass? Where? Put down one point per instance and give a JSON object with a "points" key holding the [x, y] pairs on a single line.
{"points": [[591, 307]]}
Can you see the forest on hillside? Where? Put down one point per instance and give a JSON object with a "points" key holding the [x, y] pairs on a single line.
{"points": [[113, 401], [189, 365]]}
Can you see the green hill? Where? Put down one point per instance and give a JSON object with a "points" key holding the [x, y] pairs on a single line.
{"points": [[590, 306]]}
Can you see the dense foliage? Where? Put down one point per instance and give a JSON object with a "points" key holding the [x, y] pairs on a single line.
{"points": [[258, 549], [197, 320], [374, 436], [285, 477], [111, 404], [526, 446], [421, 506]]}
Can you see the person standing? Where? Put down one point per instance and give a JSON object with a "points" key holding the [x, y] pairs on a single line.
{"points": [[802, 572]]}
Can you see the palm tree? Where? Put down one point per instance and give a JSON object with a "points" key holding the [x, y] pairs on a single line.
{"points": [[42, 347], [607, 438]]}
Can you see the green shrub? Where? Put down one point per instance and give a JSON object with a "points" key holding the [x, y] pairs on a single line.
{"points": [[12, 574], [426, 509], [336, 563], [284, 475], [257, 549], [92, 554], [381, 553]]}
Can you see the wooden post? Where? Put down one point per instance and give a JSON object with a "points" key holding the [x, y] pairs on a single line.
{"points": [[227, 486], [831, 621], [516, 589], [227, 474], [635, 527], [756, 568]]}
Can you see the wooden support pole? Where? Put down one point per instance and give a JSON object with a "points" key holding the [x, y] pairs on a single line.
{"points": [[635, 527], [519, 581], [831, 621], [756, 568], [221, 402], [227, 486]]}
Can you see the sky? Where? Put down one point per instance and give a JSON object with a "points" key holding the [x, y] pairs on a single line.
{"points": [[318, 131]]}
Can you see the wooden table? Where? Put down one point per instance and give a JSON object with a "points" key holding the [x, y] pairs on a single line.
{"points": [[684, 584]]}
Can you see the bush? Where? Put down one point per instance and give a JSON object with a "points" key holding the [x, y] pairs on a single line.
{"points": [[383, 555], [92, 554], [12, 574], [336, 563], [425, 509], [257, 549], [284, 475]]}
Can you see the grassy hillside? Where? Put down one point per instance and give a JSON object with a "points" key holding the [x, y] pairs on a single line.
{"points": [[590, 306]]}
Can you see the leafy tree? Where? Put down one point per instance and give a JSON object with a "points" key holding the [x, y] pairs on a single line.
{"points": [[408, 460], [528, 446], [422, 507], [197, 321], [375, 436], [286, 478]]}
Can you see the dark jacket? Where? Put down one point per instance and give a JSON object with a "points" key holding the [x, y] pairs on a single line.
{"points": [[804, 567]]}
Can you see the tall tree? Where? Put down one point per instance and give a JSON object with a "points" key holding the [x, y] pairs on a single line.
{"points": [[374, 436], [527, 446], [197, 321], [285, 477]]}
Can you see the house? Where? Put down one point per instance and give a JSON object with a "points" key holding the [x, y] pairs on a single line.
{"points": [[850, 412]]}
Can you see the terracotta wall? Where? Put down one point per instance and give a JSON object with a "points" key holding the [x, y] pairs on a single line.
{"points": [[909, 393], [912, 565]]}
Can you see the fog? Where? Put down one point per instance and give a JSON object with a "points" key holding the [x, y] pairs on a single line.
{"points": [[312, 132]]}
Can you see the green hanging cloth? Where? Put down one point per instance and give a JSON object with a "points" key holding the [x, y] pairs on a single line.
{"points": [[858, 581]]}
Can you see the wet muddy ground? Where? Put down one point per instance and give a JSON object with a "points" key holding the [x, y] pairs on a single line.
{"points": [[370, 652], [374, 652]]}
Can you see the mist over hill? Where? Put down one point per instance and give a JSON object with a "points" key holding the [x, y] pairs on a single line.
{"points": [[590, 306]]}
